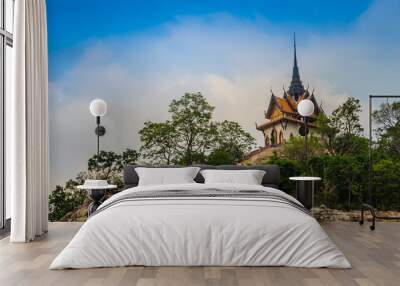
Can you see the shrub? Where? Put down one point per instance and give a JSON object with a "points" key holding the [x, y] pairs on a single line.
{"points": [[386, 184], [63, 201], [289, 168]]}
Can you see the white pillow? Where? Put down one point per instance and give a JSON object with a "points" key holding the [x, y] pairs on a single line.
{"points": [[165, 176], [248, 177]]}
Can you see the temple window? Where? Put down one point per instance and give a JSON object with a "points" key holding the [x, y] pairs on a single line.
{"points": [[280, 137], [266, 140], [274, 136]]}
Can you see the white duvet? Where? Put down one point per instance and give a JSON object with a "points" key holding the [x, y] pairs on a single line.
{"points": [[193, 231]]}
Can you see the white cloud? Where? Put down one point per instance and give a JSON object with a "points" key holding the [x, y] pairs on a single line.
{"points": [[234, 63]]}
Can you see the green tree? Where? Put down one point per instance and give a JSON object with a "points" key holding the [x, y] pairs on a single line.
{"points": [[129, 157], [388, 131], [386, 184], [356, 146], [346, 118], [343, 180], [289, 168], [112, 161], [191, 119], [327, 131], [158, 142], [346, 176], [221, 157], [63, 201], [232, 141], [385, 157], [192, 137], [109, 167], [106, 159], [341, 132], [294, 148]]}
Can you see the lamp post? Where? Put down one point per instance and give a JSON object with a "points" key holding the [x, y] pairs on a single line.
{"points": [[306, 109], [98, 108]]}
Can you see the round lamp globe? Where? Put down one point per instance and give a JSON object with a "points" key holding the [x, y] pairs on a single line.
{"points": [[305, 107], [98, 107]]}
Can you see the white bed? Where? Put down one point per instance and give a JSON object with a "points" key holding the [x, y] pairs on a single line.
{"points": [[202, 231]]}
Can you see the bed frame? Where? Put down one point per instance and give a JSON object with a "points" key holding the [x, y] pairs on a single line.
{"points": [[270, 179]]}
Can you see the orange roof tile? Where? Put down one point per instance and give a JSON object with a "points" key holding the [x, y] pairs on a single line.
{"points": [[284, 105], [291, 100]]}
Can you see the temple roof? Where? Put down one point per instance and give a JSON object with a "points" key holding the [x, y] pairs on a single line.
{"points": [[270, 123], [296, 88], [287, 105], [284, 105]]}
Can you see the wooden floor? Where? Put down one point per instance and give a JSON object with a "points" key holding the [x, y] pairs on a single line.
{"points": [[375, 257]]}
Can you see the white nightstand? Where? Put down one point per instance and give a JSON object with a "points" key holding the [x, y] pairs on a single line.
{"points": [[96, 194]]}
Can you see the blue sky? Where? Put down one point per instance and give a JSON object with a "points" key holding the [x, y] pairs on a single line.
{"points": [[139, 55], [75, 21]]}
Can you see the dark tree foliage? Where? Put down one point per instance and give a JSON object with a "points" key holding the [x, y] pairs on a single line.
{"points": [[112, 160], [220, 157], [386, 156], [388, 120], [328, 132], [233, 140], [343, 179], [63, 201], [341, 132], [295, 148], [352, 145], [386, 192], [346, 118], [191, 119], [129, 157], [106, 159], [289, 168], [158, 142], [71, 184]]}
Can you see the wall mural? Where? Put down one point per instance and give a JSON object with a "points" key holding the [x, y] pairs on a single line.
{"points": [[235, 74]]}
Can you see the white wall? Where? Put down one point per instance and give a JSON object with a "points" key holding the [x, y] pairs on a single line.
{"points": [[291, 128]]}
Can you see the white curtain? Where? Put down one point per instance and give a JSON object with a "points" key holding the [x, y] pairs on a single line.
{"points": [[27, 124]]}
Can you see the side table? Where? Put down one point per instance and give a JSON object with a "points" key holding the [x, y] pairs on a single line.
{"points": [[96, 194], [305, 187]]}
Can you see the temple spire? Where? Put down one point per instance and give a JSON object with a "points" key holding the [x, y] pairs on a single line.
{"points": [[294, 46], [296, 88]]}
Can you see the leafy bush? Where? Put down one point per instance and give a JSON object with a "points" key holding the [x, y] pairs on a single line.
{"points": [[386, 184], [294, 149], [220, 157], [289, 168], [63, 201], [343, 180]]}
